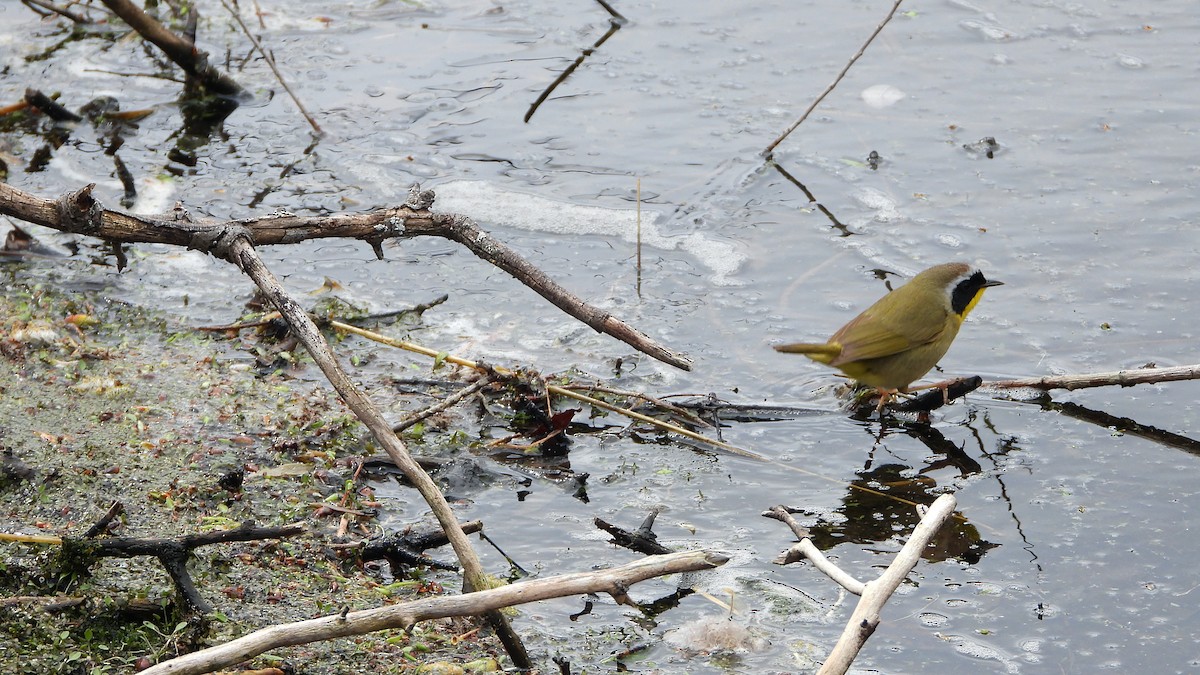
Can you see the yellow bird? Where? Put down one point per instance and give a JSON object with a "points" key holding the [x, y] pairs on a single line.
{"points": [[895, 341]]}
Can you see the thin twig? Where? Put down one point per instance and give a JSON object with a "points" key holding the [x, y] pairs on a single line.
{"points": [[614, 25], [102, 525], [639, 237], [271, 64], [771, 148], [659, 403], [444, 404], [1123, 378], [611, 11], [665, 426]]}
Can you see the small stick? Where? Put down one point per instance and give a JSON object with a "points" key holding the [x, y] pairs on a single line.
{"points": [[615, 24], [656, 402], [15, 107], [1124, 378], [639, 237], [271, 64], [612, 12], [444, 404], [666, 426], [102, 524], [50, 107], [768, 153]]}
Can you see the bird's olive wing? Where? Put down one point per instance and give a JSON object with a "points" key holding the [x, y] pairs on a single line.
{"points": [[875, 333]]}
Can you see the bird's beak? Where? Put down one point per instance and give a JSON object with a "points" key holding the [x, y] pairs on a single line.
{"points": [[992, 283]]}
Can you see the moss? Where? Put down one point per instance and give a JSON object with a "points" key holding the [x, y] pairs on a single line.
{"points": [[120, 404]]}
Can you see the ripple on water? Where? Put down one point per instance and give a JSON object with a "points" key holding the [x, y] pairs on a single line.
{"points": [[933, 619]]}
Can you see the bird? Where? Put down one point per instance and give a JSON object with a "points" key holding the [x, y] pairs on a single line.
{"points": [[901, 337]]}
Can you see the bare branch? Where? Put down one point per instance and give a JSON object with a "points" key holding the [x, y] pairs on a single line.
{"points": [[80, 213], [241, 253], [866, 614], [615, 582], [1124, 378]]}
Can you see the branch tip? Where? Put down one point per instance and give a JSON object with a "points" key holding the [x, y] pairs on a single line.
{"points": [[79, 211], [418, 199]]}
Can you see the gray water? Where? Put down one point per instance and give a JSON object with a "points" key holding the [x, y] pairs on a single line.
{"points": [[1080, 553]]}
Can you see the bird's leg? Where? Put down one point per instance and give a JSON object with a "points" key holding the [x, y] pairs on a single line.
{"points": [[885, 397], [944, 385]]}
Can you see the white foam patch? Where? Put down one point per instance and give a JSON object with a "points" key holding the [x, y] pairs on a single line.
{"points": [[155, 196], [882, 96], [487, 203]]}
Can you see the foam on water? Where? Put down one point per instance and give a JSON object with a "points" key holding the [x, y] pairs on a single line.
{"points": [[488, 203]]}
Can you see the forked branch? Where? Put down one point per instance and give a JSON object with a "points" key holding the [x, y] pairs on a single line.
{"points": [[79, 212]]}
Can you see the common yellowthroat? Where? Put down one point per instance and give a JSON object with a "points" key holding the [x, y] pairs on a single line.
{"points": [[902, 336]]}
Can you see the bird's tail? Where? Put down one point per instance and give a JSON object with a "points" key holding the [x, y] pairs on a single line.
{"points": [[823, 352]]}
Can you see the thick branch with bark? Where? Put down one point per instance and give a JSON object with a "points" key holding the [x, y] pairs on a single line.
{"points": [[615, 582], [172, 553], [240, 252], [80, 213]]}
